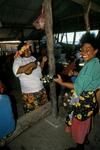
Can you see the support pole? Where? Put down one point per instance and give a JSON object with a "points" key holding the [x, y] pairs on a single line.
{"points": [[66, 39], [74, 38], [87, 7], [50, 47], [62, 35]]}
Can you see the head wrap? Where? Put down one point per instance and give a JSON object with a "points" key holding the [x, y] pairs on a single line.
{"points": [[22, 50]]}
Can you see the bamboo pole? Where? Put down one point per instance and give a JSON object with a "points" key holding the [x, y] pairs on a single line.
{"points": [[50, 47]]}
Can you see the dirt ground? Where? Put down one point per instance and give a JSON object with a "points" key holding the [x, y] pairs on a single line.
{"points": [[49, 134]]}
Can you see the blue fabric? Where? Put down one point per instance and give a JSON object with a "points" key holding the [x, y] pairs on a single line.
{"points": [[89, 77], [7, 122], [73, 78]]}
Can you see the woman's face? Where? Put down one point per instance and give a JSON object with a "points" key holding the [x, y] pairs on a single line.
{"points": [[88, 52], [27, 52]]}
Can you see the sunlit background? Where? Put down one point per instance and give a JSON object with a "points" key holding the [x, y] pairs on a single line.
{"points": [[70, 36]]}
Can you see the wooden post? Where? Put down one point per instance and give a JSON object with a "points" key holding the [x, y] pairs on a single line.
{"points": [[74, 40], [50, 48], [66, 39], [62, 35], [98, 35], [87, 7], [58, 38]]}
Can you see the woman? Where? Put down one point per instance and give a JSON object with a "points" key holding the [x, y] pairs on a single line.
{"points": [[28, 70], [82, 103]]}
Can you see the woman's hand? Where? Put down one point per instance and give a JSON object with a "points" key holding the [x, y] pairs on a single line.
{"points": [[58, 80], [29, 71], [44, 59]]}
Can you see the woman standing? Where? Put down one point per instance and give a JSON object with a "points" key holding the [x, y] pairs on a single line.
{"points": [[29, 72], [82, 103]]}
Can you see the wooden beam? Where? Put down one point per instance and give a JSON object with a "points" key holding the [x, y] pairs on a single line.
{"points": [[62, 35], [71, 16], [66, 39], [94, 6], [81, 2], [50, 47], [87, 7], [74, 38], [98, 35]]}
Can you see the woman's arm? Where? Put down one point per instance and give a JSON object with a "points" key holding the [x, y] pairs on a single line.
{"points": [[28, 68], [65, 84], [44, 59]]}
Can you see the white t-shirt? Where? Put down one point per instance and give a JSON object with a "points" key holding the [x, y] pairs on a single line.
{"points": [[29, 83]]}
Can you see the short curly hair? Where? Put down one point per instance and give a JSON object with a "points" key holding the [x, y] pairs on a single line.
{"points": [[91, 39]]}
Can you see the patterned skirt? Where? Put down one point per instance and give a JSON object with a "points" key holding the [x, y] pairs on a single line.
{"points": [[34, 100], [82, 107]]}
